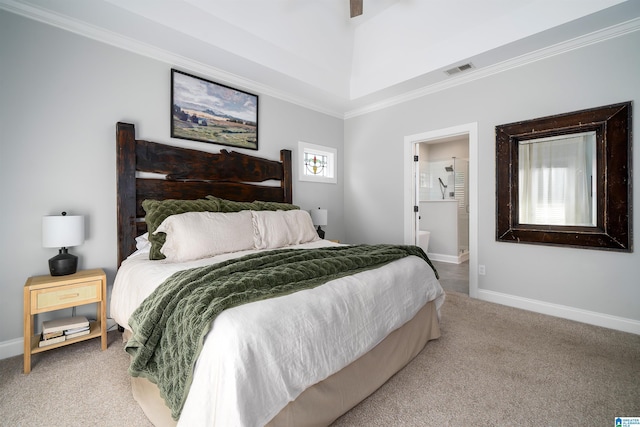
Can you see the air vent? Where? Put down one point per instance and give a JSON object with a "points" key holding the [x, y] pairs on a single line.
{"points": [[459, 69]]}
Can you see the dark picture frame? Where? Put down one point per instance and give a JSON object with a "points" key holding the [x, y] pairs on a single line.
{"points": [[206, 111], [613, 129]]}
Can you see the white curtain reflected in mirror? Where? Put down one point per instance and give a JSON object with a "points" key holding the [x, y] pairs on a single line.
{"points": [[556, 179]]}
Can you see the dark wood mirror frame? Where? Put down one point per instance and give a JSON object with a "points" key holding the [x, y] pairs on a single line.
{"points": [[613, 230]]}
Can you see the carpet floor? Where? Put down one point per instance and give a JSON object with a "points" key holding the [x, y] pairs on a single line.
{"points": [[493, 365]]}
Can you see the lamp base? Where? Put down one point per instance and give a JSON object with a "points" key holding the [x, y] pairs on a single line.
{"points": [[320, 232], [63, 264]]}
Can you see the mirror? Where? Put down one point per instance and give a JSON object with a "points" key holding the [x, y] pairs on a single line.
{"points": [[555, 180], [566, 179]]}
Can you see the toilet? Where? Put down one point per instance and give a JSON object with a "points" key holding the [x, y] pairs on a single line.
{"points": [[423, 240]]}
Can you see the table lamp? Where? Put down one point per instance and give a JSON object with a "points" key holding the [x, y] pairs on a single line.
{"points": [[62, 231], [319, 218]]}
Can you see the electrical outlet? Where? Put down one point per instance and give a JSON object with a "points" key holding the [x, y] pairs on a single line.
{"points": [[481, 270]]}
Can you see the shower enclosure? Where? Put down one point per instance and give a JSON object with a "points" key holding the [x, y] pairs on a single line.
{"points": [[444, 207]]}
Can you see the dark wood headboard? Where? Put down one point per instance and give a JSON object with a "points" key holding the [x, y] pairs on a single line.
{"points": [[190, 174]]}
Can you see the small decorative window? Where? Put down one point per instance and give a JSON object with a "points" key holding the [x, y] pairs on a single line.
{"points": [[317, 163]]}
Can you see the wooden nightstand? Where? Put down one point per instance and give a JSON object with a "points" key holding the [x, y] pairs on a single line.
{"points": [[48, 293]]}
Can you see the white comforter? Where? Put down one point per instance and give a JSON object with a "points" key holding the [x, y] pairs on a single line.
{"points": [[260, 356]]}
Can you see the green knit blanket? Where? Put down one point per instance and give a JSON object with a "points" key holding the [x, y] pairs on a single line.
{"points": [[170, 326]]}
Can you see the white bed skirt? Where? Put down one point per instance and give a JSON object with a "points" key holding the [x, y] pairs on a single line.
{"points": [[324, 402]]}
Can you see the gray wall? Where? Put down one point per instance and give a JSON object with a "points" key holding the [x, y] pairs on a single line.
{"points": [[60, 98], [606, 283], [61, 95]]}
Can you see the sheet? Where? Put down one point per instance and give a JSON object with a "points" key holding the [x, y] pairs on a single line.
{"points": [[262, 355]]}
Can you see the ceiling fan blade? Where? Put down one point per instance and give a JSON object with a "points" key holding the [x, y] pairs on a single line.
{"points": [[356, 8]]}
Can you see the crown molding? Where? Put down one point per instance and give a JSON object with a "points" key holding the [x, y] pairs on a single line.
{"points": [[612, 32], [111, 38], [135, 46]]}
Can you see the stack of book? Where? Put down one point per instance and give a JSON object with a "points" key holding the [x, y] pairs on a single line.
{"points": [[58, 330]]}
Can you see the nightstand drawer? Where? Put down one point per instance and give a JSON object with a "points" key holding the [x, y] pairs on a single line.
{"points": [[66, 296]]}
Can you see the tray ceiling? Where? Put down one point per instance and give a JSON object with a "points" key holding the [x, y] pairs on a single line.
{"points": [[313, 53]]}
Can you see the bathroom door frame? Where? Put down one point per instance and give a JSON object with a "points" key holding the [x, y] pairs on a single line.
{"points": [[411, 190]]}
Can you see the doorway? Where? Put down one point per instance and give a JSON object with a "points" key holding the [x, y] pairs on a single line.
{"points": [[412, 189], [442, 172]]}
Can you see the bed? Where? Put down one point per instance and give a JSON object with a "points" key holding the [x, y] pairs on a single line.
{"points": [[302, 357]]}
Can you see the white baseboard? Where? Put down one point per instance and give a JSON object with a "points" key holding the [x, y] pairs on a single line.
{"points": [[11, 348], [591, 317], [15, 346], [452, 259]]}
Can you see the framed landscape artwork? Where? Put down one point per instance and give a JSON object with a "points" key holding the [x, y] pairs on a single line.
{"points": [[202, 110]]}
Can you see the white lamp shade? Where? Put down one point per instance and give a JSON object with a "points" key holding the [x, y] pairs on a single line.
{"points": [[62, 231], [318, 216]]}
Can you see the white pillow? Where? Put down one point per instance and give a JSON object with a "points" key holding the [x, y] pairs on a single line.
{"points": [[195, 235], [142, 242], [276, 229], [143, 246]]}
